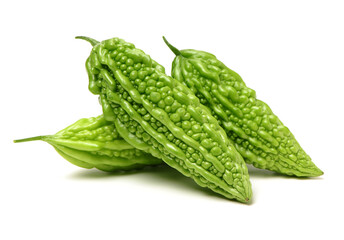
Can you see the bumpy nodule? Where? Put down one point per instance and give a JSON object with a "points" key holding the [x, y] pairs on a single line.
{"points": [[161, 116], [95, 143], [256, 132]]}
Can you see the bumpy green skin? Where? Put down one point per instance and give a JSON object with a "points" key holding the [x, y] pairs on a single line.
{"points": [[256, 132], [95, 143], [159, 115]]}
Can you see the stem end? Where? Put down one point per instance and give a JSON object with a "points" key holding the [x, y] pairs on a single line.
{"points": [[88, 39], [173, 49], [29, 139]]}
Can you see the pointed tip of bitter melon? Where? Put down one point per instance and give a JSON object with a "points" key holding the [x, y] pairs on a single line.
{"points": [[310, 171], [248, 194], [245, 189], [245, 199], [316, 172]]}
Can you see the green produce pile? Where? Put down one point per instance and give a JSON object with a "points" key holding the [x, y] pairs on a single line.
{"points": [[202, 121]]}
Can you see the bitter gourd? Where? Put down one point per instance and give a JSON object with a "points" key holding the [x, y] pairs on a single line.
{"points": [[165, 116], [257, 133], [95, 143]]}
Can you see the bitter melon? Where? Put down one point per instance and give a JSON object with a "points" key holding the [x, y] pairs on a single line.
{"points": [[95, 143], [165, 116], [256, 132]]}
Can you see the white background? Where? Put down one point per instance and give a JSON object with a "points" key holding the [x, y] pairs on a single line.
{"points": [[290, 52]]}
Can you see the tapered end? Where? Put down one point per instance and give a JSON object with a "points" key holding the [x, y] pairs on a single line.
{"points": [[310, 171], [244, 200], [245, 192], [248, 195], [316, 172]]}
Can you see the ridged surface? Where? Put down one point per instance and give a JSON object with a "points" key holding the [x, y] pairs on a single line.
{"points": [[256, 132], [159, 115], [95, 143]]}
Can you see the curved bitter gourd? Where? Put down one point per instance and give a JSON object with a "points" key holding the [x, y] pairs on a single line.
{"points": [[257, 133], [95, 143], [159, 115]]}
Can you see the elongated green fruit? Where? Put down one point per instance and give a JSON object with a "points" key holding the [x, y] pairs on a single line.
{"points": [[95, 143], [256, 132], [159, 115]]}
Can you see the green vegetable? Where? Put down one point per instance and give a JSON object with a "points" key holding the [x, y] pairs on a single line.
{"points": [[256, 132], [95, 143], [159, 115]]}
